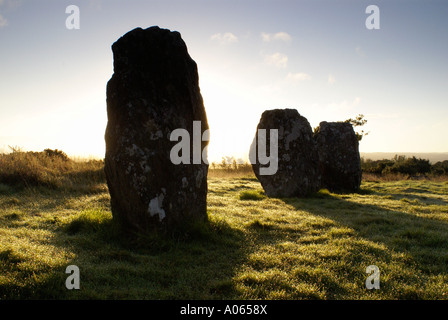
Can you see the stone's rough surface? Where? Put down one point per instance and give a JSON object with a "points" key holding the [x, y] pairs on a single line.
{"points": [[339, 158], [153, 91], [297, 173]]}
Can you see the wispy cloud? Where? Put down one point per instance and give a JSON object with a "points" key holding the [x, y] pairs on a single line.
{"points": [[3, 21], [5, 7], [331, 79], [277, 59], [224, 38], [360, 52], [95, 4], [345, 105], [382, 116], [10, 4], [299, 76], [282, 36]]}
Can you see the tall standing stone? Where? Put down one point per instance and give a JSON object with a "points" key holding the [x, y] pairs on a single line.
{"points": [[297, 173], [153, 91], [339, 158]]}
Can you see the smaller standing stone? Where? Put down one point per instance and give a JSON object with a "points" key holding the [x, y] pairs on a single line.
{"points": [[339, 158], [297, 174]]}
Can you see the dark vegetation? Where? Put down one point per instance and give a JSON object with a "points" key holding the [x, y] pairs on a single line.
{"points": [[54, 169], [358, 121], [49, 168], [401, 164]]}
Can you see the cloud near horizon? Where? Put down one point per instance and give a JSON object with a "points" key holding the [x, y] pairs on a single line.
{"points": [[299, 76]]}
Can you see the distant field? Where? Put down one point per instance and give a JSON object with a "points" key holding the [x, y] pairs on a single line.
{"points": [[253, 247], [431, 156]]}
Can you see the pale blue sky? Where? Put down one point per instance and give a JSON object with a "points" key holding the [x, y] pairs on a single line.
{"points": [[315, 56]]}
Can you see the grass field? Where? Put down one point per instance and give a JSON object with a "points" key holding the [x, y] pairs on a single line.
{"points": [[253, 247]]}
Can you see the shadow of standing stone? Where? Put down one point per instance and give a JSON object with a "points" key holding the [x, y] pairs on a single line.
{"points": [[153, 91]]}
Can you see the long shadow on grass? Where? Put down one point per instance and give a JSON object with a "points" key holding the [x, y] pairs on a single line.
{"points": [[199, 264], [425, 239], [420, 244], [421, 195], [196, 262]]}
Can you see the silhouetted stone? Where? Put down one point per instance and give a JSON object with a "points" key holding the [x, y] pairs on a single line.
{"points": [[297, 174], [339, 158], [153, 91]]}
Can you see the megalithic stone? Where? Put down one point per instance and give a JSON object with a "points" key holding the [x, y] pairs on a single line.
{"points": [[339, 158], [154, 90], [297, 172]]}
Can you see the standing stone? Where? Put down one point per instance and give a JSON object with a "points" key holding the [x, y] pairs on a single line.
{"points": [[297, 173], [339, 158], [153, 91]]}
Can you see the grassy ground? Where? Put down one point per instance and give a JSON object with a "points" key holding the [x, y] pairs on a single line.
{"points": [[253, 247]]}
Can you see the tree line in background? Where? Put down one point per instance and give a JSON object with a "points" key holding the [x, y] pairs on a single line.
{"points": [[397, 165], [53, 168], [404, 165]]}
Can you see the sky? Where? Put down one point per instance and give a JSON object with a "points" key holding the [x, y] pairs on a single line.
{"points": [[253, 55]]}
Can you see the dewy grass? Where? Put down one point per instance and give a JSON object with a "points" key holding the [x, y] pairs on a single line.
{"points": [[252, 195], [252, 247], [90, 220]]}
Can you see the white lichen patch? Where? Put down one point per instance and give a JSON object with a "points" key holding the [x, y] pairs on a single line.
{"points": [[144, 166], [184, 182], [293, 135], [129, 168], [157, 135], [156, 206], [199, 177], [131, 151]]}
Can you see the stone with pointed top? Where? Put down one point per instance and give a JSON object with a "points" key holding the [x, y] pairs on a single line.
{"points": [[153, 91]]}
